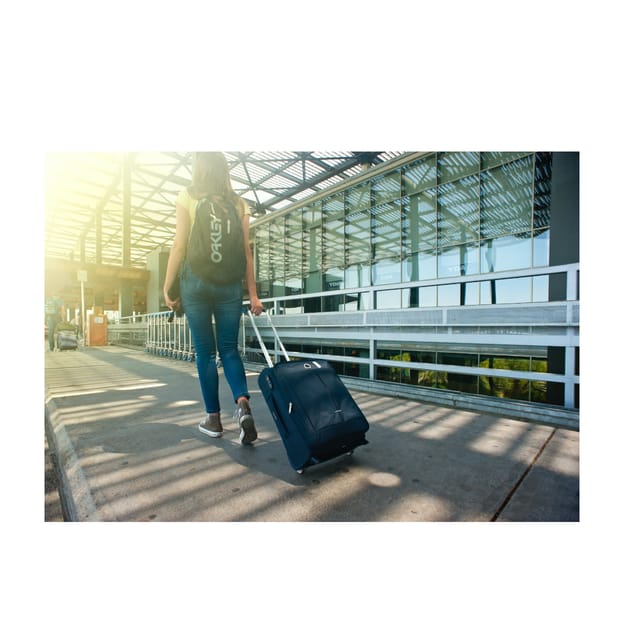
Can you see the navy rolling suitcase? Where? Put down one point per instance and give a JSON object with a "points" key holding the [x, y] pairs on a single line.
{"points": [[314, 412]]}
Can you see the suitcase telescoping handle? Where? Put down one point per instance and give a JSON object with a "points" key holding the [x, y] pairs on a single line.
{"points": [[262, 345]]}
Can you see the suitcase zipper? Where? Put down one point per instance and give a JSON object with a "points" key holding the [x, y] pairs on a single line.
{"points": [[335, 404]]}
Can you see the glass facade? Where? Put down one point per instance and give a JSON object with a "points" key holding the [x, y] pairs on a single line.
{"points": [[432, 221], [446, 215]]}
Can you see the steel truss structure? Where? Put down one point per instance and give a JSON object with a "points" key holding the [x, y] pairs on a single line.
{"points": [[116, 208]]}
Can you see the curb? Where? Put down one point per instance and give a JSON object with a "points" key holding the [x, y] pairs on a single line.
{"points": [[74, 488]]}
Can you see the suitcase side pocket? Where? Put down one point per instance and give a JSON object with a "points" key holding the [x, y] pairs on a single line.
{"points": [[267, 386]]}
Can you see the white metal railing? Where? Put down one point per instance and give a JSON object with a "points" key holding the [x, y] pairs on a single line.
{"points": [[523, 324], [571, 292]]}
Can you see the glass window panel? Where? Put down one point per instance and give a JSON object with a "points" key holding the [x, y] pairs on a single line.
{"points": [[386, 231], [428, 266], [358, 198], [540, 289], [490, 361], [312, 305], [333, 279], [293, 285], [504, 387], [312, 282], [357, 275], [386, 188], [539, 391], [385, 350], [418, 355], [458, 382], [428, 296], [507, 199], [278, 288], [332, 303], [386, 271], [420, 223], [488, 292], [449, 295], [293, 254], [276, 256], [541, 248], [420, 175], [311, 214], [293, 305], [263, 288], [458, 206], [420, 266], [458, 359], [338, 367], [333, 232], [358, 237], [365, 301], [470, 259], [311, 249], [263, 275], [458, 261], [539, 364], [388, 374], [513, 290], [470, 292], [454, 165], [504, 254], [388, 299], [350, 302], [355, 370], [352, 277], [427, 379], [493, 158]]}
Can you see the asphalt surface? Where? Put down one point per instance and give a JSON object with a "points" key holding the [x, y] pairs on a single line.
{"points": [[123, 427]]}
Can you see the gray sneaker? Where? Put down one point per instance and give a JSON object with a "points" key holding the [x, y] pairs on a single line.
{"points": [[248, 431], [211, 426]]}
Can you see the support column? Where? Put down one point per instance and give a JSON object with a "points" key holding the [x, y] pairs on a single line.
{"points": [[126, 210], [125, 294], [98, 221], [564, 248], [125, 299]]}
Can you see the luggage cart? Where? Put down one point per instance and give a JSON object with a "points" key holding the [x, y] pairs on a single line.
{"points": [[156, 340], [166, 333], [188, 352]]}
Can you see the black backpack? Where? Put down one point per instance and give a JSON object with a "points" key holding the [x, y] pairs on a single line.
{"points": [[216, 245]]}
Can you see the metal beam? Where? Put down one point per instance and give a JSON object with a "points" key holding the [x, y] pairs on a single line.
{"points": [[315, 181], [126, 209]]}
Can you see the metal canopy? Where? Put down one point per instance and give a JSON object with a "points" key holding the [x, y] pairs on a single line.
{"points": [[87, 201]]}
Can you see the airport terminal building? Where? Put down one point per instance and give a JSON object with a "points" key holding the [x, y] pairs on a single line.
{"points": [[447, 276], [450, 277]]}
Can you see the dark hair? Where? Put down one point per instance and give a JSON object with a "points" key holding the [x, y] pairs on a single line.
{"points": [[210, 176]]}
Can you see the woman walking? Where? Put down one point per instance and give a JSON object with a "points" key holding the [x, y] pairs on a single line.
{"points": [[213, 285]]}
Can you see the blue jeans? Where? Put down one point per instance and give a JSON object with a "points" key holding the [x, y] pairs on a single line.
{"points": [[201, 300]]}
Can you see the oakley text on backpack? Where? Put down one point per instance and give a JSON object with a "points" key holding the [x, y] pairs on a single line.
{"points": [[216, 245]]}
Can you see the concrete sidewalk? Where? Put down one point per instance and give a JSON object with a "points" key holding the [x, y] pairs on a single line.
{"points": [[124, 430]]}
